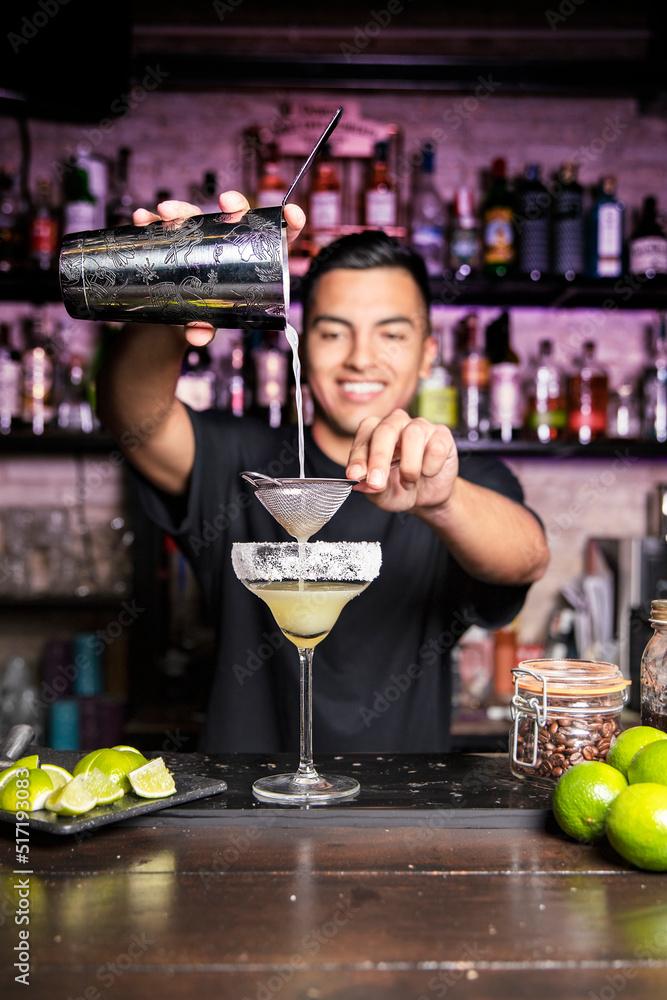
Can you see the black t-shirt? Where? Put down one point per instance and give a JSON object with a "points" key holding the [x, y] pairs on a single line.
{"points": [[381, 679]]}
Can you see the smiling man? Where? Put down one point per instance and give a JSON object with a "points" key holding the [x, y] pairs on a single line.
{"points": [[458, 545]]}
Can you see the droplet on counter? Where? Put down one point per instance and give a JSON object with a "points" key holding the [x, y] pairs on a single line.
{"points": [[292, 899]]}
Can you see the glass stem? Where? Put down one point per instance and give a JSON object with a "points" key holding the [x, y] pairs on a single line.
{"points": [[306, 771]]}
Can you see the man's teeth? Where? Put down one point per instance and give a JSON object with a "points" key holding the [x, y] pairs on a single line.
{"points": [[363, 387]]}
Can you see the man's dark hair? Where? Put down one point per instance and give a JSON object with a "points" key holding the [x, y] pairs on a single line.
{"points": [[359, 251]]}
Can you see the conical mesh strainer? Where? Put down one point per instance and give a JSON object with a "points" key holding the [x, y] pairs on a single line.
{"points": [[301, 506]]}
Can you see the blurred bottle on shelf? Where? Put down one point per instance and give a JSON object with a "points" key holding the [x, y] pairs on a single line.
{"points": [[647, 247], [588, 397], [498, 224], [654, 388], [271, 186], [623, 415], [122, 202], [606, 232], [10, 381], [437, 396], [36, 378], [505, 396], [568, 224], [74, 412], [546, 397], [474, 373], [380, 198], [196, 386], [463, 235], [427, 224], [533, 225], [325, 200], [80, 206], [14, 243], [44, 229], [270, 364]]}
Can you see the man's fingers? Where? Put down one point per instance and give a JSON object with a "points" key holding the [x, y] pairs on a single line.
{"points": [[199, 334], [295, 218]]}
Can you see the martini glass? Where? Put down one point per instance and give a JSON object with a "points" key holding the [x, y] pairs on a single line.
{"points": [[306, 585]]}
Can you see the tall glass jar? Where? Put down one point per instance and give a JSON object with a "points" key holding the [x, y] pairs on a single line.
{"points": [[654, 671], [564, 712]]}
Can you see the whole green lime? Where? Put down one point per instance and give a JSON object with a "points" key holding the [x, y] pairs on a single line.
{"points": [[649, 764], [627, 743], [636, 825], [582, 797]]}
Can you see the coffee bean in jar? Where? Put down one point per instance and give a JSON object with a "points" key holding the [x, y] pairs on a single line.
{"points": [[564, 712]]}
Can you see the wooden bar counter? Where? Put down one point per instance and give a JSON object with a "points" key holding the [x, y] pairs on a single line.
{"points": [[444, 878]]}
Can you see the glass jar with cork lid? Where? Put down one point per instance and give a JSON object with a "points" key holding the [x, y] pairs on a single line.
{"points": [[654, 670], [563, 711]]}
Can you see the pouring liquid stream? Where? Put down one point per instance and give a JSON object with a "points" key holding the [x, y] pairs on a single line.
{"points": [[293, 340]]}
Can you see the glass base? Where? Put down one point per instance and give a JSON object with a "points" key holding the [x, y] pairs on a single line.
{"points": [[290, 789]]}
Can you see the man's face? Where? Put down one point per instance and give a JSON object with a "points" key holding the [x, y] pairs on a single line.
{"points": [[366, 347]]}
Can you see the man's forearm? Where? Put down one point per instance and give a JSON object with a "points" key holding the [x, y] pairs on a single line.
{"points": [[492, 538], [137, 404]]}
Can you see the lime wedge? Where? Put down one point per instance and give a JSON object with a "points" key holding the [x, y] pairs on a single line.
{"points": [[135, 755], [16, 795], [102, 787], [114, 763], [153, 780], [71, 799], [58, 775]]}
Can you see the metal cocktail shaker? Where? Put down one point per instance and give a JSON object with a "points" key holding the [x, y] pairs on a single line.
{"points": [[204, 268]]}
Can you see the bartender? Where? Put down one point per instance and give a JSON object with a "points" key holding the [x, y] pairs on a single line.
{"points": [[458, 545]]}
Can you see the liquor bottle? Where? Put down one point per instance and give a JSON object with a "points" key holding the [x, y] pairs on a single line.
{"points": [[437, 396], [36, 379], [606, 232], [122, 202], [74, 411], [44, 229], [498, 229], [463, 235], [380, 201], [533, 224], [270, 364], [428, 222], [271, 187], [196, 384], [647, 250], [588, 397], [654, 389], [325, 199], [474, 423], [80, 208], [10, 381], [569, 237], [546, 392], [623, 415], [13, 223], [505, 398]]}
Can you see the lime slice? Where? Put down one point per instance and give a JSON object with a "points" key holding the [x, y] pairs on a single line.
{"points": [[103, 788], [30, 762], [153, 780], [26, 792], [72, 799], [85, 764], [58, 775], [135, 755]]}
